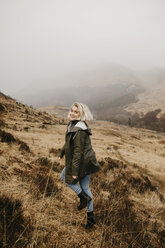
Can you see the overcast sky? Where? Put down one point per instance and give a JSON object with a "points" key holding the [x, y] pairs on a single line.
{"points": [[51, 39]]}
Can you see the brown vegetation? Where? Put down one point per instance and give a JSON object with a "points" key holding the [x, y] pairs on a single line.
{"points": [[38, 210], [149, 120], [15, 228], [9, 138]]}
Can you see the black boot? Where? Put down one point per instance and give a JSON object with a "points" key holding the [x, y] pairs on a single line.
{"points": [[91, 220], [84, 199]]}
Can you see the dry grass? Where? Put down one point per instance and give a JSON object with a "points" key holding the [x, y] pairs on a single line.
{"points": [[162, 142], [15, 228], [128, 192]]}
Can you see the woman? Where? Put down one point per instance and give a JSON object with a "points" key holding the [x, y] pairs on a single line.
{"points": [[80, 159]]}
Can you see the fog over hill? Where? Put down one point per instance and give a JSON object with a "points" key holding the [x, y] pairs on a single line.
{"points": [[113, 92], [154, 95], [152, 77], [93, 87]]}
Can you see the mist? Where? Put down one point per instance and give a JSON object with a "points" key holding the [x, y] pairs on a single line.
{"points": [[59, 43]]}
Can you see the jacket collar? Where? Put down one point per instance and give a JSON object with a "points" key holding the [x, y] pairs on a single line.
{"points": [[80, 125]]}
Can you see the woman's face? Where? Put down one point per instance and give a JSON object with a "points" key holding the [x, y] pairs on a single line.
{"points": [[74, 114]]}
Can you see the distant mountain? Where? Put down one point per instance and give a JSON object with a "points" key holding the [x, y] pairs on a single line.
{"points": [[92, 87], [100, 99], [112, 92], [154, 95]]}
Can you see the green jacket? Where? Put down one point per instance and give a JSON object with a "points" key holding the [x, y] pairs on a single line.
{"points": [[80, 158]]}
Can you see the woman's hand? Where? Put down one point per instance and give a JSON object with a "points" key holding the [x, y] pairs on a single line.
{"points": [[75, 177]]}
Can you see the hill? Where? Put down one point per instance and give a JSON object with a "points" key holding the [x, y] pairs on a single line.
{"points": [[59, 111], [106, 102], [93, 86], [153, 98], [38, 210]]}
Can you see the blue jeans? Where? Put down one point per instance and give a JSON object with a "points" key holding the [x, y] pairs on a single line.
{"points": [[77, 188]]}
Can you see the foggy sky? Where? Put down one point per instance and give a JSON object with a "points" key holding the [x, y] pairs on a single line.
{"points": [[48, 40]]}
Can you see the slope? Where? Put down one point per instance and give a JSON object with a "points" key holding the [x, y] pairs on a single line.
{"points": [[153, 98], [40, 210]]}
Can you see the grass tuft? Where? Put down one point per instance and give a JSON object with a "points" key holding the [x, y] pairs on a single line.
{"points": [[15, 229], [7, 137]]}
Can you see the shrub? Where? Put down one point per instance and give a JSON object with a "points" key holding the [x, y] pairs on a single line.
{"points": [[7, 137], [2, 123], [26, 111], [26, 129], [23, 146], [45, 183], [2, 107], [47, 164], [162, 142], [15, 229], [56, 152]]}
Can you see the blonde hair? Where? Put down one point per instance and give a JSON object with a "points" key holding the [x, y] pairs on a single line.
{"points": [[85, 113]]}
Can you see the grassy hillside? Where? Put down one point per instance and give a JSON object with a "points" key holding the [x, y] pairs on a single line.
{"points": [[38, 210], [150, 100]]}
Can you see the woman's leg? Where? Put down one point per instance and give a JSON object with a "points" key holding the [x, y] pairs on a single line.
{"points": [[84, 183], [75, 187]]}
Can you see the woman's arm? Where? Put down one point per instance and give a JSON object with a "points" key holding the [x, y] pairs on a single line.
{"points": [[78, 149], [62, 151]]}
